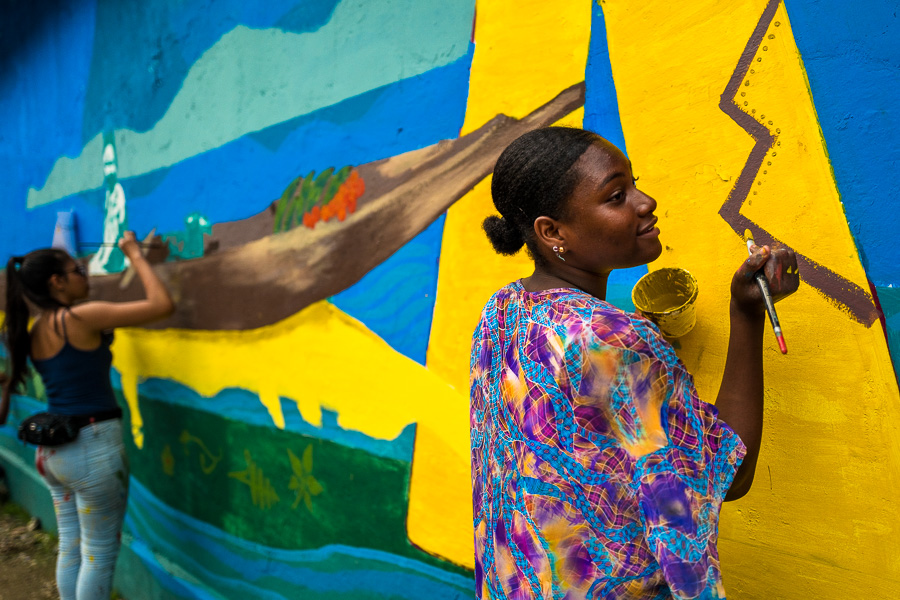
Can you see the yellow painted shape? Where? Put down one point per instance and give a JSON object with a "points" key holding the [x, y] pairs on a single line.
{"points": [[322, 358], [269, 398], [524, 56], [208, 461], [129, 391], [820, 521]]}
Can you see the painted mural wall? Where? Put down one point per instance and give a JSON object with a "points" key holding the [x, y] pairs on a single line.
{"points": [[318, 171]]}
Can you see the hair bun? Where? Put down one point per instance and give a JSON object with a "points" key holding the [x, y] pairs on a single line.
{"points": [[503, 234]]}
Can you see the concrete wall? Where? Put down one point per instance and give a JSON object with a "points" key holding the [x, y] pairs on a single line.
{"points": [[299, 427]]}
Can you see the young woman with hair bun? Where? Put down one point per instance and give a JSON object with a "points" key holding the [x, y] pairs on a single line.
{"points": [[597, 470]]}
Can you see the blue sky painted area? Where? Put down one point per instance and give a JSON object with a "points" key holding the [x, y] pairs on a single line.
{"points": [[852, 58], [601, 115], [241, 178], [252, 78], [59, 109]]}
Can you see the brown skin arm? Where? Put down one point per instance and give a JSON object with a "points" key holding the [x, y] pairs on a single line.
{"points": [[740, 399], [100, 316]]}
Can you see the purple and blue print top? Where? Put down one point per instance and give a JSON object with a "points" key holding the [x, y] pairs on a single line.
{"points": [[597, 471]]}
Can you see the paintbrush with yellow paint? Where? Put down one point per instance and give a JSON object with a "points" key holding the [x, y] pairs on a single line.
{"points": [[767, 296]]}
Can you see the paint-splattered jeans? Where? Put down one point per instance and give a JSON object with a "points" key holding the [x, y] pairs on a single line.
{"points": [[88, 479]]}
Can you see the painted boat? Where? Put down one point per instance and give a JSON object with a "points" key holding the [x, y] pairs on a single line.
{"points": [[254, 277]]}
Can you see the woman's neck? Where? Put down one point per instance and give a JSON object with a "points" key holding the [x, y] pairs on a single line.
{"points": [[545, 278]]}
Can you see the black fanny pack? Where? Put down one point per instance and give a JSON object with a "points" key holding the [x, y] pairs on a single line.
{"points": [[50, 429]]}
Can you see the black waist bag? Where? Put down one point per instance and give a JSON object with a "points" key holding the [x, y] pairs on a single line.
{"points": [[49, 429]]}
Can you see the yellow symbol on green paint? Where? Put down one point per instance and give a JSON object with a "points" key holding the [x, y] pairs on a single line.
{"points": [[208, 460], [302, 480], [261, 491], [168, 461]]}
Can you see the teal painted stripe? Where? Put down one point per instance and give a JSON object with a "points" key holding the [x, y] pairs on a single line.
{"points": [[244, 406], [889, 298], [233, 567], [173, 586], [364, 45]]}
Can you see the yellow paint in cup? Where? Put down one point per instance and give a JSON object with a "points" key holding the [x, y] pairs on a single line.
{"points": [[668, 297]]}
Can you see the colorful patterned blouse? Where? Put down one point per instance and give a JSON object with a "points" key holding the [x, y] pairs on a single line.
{"points": [[597, 471]]}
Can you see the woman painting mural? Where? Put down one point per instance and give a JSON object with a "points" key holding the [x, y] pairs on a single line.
{"points": [[597, 470], [69, 345]]}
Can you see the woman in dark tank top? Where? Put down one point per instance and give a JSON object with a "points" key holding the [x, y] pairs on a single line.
{"points": [[69, 345]]}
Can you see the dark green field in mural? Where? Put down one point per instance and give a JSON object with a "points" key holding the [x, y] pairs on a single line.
{"points": [[273, 487]]}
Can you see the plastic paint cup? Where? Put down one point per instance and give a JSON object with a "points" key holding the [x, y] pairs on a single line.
{"points": [[668, 297]]}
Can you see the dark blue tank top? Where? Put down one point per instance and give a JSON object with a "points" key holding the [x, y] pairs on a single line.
{"points": [[77, 381]]}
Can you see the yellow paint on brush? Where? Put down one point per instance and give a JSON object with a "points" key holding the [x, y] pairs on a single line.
{"points": [[819, 521], [322, 358]]}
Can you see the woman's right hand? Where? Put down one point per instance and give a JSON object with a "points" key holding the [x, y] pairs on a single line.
{"points": [[157, 303], [129, 246], [780, 268]]}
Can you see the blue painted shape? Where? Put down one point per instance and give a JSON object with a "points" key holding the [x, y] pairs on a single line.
{"points": [[852, 56], [244, 406], [254, 78], [601, 115], [42, 97], [219, 563], [601, 105], [620, 284], [396, 299], [397, 118]]}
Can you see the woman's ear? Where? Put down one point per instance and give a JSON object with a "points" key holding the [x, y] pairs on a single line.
{"points": [[548, 233], [57, 282]]}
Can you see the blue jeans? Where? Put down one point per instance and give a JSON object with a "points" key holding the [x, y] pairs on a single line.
{"points": [[88, 479]]}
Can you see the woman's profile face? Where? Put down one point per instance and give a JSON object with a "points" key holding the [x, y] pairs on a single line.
{"points": [[76, 280], [608, 223]]}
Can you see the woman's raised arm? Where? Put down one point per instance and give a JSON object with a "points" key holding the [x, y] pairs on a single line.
{"points": [[157, 305], [740, 399]]}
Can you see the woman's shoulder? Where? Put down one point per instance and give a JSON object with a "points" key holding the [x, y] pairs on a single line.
{"points": [[560, 309]]}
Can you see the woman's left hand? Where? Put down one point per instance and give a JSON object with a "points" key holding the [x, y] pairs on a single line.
{"points": [[780, 268]]}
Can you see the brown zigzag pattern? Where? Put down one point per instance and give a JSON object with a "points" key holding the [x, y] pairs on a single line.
{"points": [[848, 296]]}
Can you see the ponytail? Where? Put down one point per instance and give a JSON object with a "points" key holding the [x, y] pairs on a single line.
{"points": [[26, 277], [15, 329]]}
